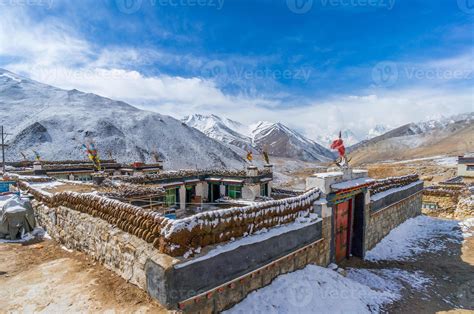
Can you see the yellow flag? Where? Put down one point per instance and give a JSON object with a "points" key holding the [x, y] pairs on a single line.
{"points": [[249, 156]]}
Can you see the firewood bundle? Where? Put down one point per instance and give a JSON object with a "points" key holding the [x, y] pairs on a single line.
{"points": [[32, 179], [125, 190], [443, 191], [129, 218], [176, 237], [222, 225], [186, 173], [392, 182]]}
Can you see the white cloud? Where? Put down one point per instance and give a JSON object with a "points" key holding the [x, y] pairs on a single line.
{"points": [[53, 53]]}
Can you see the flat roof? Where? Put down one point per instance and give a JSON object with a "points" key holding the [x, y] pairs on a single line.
{"points": [[466, 160]]}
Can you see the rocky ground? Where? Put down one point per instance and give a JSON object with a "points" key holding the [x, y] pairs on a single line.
{"points": [[46, 278]]}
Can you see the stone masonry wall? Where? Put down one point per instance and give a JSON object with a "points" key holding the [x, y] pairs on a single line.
{"points": [[119, 251], [381, 222]]}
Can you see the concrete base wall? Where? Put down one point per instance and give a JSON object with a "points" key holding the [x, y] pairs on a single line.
{"points": [[121, 252], [218, 283], [381, 222], [225, 296]]}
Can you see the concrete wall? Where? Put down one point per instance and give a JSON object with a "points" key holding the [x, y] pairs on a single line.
{"points": [[119, 251], [463, 172], [217, 283], [380, 222], [392, 198]]}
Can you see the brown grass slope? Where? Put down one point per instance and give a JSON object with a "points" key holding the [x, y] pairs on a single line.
{"points": [[454, 140]]}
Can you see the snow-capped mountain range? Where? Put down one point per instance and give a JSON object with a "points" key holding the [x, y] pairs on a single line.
{"points": [[56, 123], [349, 137], [444, 136], [276, 138]]}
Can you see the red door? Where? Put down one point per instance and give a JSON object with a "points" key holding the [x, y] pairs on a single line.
{"points": [[342, 229]]}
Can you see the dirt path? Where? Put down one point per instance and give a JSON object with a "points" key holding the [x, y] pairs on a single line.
{"points": [[451, 272], [45, 278]]}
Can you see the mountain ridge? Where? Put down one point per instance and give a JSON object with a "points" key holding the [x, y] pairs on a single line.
{"points": [[276, 138], [56, 122]]}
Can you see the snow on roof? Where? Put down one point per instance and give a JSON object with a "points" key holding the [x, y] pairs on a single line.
{"points": [[380, 195], [233, 181], [259, 236], [172, 184], [192, 181], [213, 179], [328, 174], [351, 183]]}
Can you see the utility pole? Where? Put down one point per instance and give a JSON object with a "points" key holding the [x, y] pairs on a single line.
{"points": [[4, 136]]}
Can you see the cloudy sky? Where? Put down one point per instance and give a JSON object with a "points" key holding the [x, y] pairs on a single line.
{"points": [[315, 65]]}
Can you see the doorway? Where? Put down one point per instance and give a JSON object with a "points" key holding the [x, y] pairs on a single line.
{"points": [[343, 214], [357, 238], [214, 192]]}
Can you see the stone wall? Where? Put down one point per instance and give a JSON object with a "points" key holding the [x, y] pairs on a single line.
{"points": [[382, 221], [187, 235], [119, 251]]}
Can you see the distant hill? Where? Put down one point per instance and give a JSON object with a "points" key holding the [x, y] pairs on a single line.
{"points": [[446, 136], [56, 122]]}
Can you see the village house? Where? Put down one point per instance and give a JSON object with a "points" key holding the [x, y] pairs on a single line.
{"points": [[465, 167], [210, 259]]}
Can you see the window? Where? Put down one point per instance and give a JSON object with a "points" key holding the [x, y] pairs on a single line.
{"points": [[470, 168], [264, 189], [235, 191], [170, 198]]}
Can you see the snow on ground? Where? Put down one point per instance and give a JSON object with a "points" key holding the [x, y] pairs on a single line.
{"points": [[314, 289], [322, 290], [46, 185], [418, 235], [447, 161], [393, 280], [467, 227]]}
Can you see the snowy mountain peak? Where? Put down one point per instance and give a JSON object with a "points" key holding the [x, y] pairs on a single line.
{"points": [[378, 130], [276, 138], [56, 122]]}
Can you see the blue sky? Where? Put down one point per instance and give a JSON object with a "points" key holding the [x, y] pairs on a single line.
{"points": [[313, 64]]}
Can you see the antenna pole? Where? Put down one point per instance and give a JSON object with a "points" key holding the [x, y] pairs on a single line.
{"points": [[3, 135], [3, 152]]}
